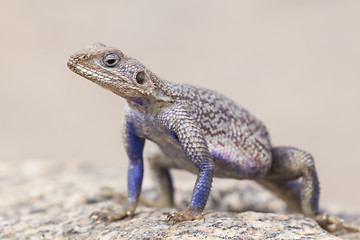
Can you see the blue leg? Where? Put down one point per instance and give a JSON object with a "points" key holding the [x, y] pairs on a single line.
{"points": [[202, 188], [195, 147], [199, 197], [134, 149]]}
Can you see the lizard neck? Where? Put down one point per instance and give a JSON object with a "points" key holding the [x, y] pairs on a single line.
{"points": [[146, 105], [159, 98]]}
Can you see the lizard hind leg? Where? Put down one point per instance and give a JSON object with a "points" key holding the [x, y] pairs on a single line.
{"points": [[293, 178], [161, 178]]}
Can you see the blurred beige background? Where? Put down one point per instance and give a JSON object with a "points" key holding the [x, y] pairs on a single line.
{"points": [[294, 64]]}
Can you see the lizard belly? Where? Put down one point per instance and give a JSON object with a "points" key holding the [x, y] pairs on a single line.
{"points": [[175, 156], [229, 161], [240, 162]]}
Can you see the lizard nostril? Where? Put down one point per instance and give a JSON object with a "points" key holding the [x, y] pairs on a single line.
{"points": [[84, 57]]}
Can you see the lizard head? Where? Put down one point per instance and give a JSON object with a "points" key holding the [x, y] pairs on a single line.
{"points": [[113, 70]]}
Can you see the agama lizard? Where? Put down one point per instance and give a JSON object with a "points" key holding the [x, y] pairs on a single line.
{"points": [[198, 130]]}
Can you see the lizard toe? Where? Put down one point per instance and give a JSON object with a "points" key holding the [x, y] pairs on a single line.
{"points": [[186, 215]]}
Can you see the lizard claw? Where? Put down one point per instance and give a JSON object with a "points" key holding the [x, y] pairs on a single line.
{"points": [[175, 217], [186, 215]]}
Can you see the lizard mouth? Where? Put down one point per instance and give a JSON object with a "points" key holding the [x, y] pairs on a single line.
{"points": [[87, 72], [115, 84]]}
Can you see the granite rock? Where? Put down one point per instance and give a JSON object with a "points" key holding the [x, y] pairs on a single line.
{"points": [[48, 200]]}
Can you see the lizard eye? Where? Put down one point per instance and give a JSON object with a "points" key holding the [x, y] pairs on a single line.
{"points": [[111, 60], [140, 77]]}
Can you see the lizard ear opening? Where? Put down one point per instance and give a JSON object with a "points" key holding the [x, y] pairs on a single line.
{"points": [[140, 77]]}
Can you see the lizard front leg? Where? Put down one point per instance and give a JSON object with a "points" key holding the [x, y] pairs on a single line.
{"points": [[199, 197], [193, 143], [134, 148]]}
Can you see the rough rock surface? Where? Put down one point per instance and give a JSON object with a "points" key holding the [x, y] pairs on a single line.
{"points": [[47, 200]]}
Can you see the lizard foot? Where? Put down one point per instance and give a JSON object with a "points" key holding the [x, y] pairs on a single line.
{"points": [[333, 223], [187, 215], [109, 215]]}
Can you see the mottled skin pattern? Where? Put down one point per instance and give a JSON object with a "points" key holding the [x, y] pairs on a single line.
{"points": [[198, 130]]}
